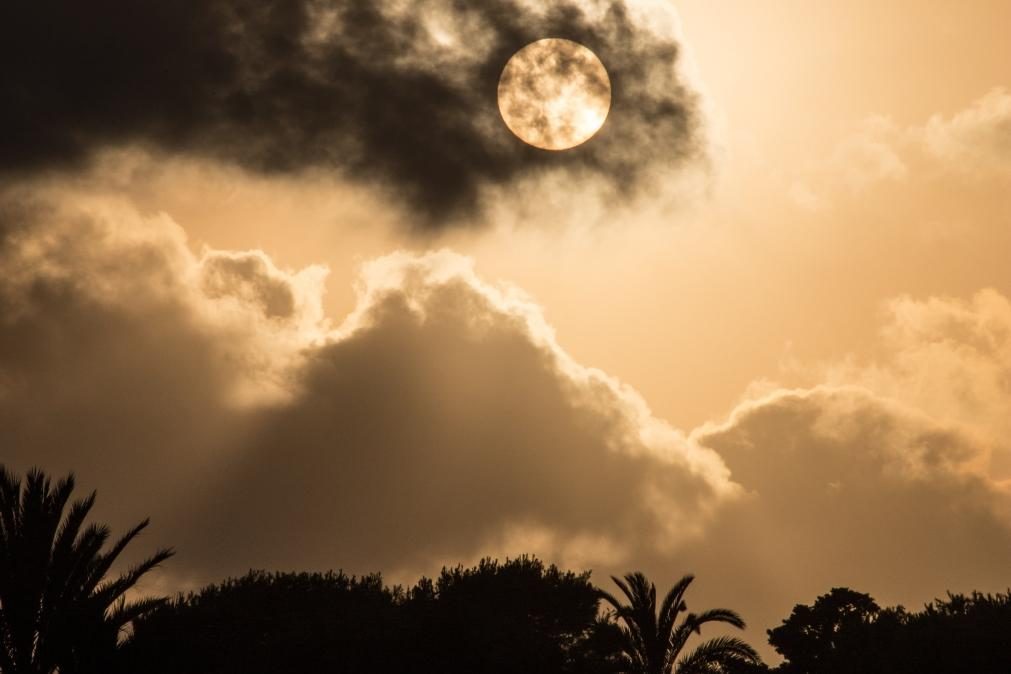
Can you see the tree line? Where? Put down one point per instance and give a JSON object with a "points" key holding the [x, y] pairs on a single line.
{"points": [[61, 611], [844, 631]]}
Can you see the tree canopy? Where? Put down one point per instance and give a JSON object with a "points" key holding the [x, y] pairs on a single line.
{"points": [[512, 616], [846, 631]]}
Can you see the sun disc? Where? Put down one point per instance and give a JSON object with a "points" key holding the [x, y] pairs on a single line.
{"points": [[554, 94]]}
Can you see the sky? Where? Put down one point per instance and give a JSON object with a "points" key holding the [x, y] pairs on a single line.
{"points": [[295, 291]]}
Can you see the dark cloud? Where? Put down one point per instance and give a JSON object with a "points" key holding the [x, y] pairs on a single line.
{"points": [[399, 95]]}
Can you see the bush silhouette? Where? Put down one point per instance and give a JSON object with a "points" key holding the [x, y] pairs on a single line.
{"points": [[514, 616], [845, 631], [271, 622]]}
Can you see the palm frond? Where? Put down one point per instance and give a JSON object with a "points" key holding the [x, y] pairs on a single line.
{"points": [[716, 652], [86, 553], [652, 640], [610, 599], [127, 612], [673, 604], [53, 596], [109, 592], [624, 587], [105, 561], [721, 615]]}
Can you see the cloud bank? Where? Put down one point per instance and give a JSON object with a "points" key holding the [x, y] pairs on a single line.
{"points": [[441, 420], [400, 97]]}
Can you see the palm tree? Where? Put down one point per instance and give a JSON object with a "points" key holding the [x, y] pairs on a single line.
{"points": [[57, 609], [652, 642]]}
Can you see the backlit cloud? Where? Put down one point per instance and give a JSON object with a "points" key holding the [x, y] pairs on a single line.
{"points": [[848, 488], [440, 419]]}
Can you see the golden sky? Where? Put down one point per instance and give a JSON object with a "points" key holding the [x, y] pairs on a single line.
{"points": [[783, 364]]}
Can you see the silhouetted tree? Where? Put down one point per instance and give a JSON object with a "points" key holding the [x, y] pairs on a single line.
{"points": [[745, 667], [57, 609], [653, 640], [824, 638], [963, 633], [273, 622], [515, 617], [845, 631]]}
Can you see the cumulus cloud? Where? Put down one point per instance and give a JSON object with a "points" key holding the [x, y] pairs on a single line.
{"points": [[249, 277], [950, 357], [848, 488], [396, 95], [439, 420], [444, 418], [104, 366], [977, 139], [891, 475]]}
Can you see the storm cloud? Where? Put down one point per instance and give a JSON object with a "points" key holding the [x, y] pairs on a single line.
{"points": [[394, 96]]}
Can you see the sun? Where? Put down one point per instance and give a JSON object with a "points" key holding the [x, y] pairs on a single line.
{"points": [[554, 94]]}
